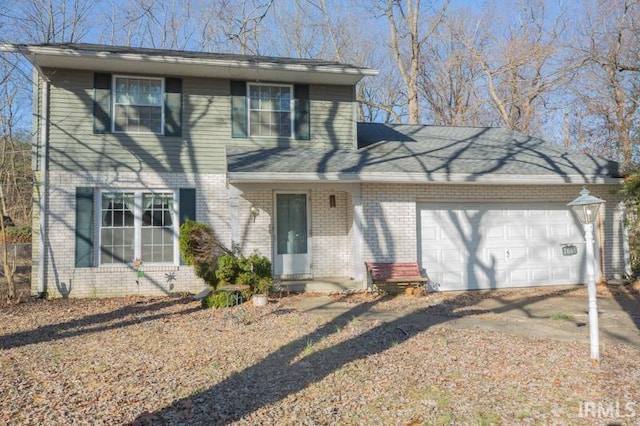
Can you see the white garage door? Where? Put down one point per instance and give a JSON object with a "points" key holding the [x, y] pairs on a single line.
{"points": [[492, 245]]}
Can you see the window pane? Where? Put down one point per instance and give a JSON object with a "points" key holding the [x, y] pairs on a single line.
{"points": [[291, 223], [269, 110], [157, 228], [138, 105], [117, 228]]}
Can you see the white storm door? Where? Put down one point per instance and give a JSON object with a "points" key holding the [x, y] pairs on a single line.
{"points": [[292, 245]]}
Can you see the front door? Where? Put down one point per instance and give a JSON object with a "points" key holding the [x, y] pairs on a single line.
{"points": [[293, 254]]}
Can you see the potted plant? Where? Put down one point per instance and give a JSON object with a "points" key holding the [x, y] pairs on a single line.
{"points": [[262, 288]]}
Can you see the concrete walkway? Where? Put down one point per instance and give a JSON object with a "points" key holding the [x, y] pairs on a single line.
{"points": [[561, 314]]}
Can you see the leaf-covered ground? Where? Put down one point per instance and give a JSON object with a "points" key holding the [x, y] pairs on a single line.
{"points": [[166, 361]]}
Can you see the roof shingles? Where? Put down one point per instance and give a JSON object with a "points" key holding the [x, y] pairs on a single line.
{"points": [[433, 151]]}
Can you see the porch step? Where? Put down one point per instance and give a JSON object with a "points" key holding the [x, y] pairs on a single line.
{"points": [[320, 285]]}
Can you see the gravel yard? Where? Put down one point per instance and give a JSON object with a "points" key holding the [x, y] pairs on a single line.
{"points": [[167, 361]]}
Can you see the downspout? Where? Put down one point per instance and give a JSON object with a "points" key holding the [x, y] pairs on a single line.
{"points": [[44, 148]]}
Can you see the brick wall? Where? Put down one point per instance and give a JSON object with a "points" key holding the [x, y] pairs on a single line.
{"points": [[390, 228], [64, 279]]}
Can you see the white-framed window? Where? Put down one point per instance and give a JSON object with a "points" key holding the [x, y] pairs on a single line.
{"points": [[138, 104], [138, 225], [270, 110]]}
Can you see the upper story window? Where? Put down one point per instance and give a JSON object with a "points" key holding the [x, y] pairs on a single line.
{"points": [[134, 104], [270, 110], [138, 105]]}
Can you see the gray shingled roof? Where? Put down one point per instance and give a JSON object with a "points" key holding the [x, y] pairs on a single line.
{"points": [[435, 152]]}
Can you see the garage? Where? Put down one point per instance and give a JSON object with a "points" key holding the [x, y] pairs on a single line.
{"points": [[484, 245]]}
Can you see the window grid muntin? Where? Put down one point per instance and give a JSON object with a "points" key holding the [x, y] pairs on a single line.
{"points": [[158, 229], [167, 203], [270, 108], [117, 227], [134, 112]]}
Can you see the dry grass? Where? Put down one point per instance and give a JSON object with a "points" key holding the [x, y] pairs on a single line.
{"points": [[166, 361]]}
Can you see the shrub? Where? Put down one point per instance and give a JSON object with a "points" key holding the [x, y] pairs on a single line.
{"points": [[201, 250], [254, 271], [228, 268], [261, 265], [18, 234], [214, 300]]}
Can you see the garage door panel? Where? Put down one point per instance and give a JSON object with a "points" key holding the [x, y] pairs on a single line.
{"points": [[516, 232], [561, 275], [430, 233], [496, 233], [538, 232], [451, 256], [498, 245], [539, 253], [519, 277], [540, 276], [560, 230]]}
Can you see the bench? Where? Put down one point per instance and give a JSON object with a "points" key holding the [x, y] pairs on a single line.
{"points": [[393, 276]]}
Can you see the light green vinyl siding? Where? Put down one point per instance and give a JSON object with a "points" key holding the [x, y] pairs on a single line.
{"points": [[206, 129], [332, 116]]}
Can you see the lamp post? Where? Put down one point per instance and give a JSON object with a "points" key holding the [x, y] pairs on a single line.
{"points": [[586, 208]]}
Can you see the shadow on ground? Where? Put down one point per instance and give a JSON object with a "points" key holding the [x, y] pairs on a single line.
{"points": [[286, 371], [136, 313]]}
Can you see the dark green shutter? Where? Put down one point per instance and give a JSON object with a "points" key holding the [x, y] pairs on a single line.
{"points": [[238, 109], [187, 208], [173, 107], [84, 227], [101, 103], [302, 114]]}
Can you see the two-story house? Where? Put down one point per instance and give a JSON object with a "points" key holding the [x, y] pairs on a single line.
{"points": [[130, 142]]}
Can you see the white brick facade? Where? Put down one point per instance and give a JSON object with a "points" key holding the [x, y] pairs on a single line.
{"points": [[389, 227], [63, 279]]}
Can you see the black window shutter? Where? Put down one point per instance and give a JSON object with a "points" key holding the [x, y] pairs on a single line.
{"points": [[238, 109], [101, 103], [302, 111], [173, 107], [187, 208], [84, 227]]}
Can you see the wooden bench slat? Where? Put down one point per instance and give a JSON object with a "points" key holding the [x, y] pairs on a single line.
{"points": [[395, 272], [406, 280]]}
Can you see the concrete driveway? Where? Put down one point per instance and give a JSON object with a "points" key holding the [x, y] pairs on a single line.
{"points": [[551, 312]]}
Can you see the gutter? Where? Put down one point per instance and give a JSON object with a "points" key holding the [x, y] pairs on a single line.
{"points": [[44, 184], [418, 178]]}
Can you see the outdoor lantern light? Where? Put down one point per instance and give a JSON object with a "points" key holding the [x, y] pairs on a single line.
{"points": [[586, 208], [254, 212]]}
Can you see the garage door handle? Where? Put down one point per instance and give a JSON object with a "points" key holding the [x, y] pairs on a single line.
{"points": [[507, 254]]}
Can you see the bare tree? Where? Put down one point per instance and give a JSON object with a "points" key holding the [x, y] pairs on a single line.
{"points": [[449, 77], [241, 22], [608, 87], [522, 66], [152, 23], [407, 39], [53, 21]]}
